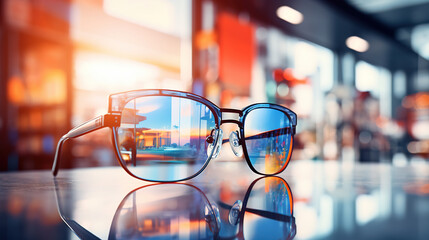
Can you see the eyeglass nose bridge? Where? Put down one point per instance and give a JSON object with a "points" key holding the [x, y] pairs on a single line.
{"points": [[235, 141], [231, 116]]}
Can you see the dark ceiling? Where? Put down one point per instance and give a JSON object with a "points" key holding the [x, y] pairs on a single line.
{"points": [[395, 14], [385, 24]]}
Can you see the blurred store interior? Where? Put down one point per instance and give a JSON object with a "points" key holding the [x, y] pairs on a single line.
{"points": [[356, 72]]}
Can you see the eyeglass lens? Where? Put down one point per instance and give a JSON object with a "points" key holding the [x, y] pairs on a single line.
{"points": [[268, 139], [164, 138]]}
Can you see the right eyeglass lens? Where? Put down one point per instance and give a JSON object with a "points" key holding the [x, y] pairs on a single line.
{"points": [[164, 138], [268, 139]]}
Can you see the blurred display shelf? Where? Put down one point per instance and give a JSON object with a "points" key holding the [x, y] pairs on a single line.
{"points": [[37, 80]]}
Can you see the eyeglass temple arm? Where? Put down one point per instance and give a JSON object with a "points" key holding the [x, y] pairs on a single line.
{"points": [[106, 120]]}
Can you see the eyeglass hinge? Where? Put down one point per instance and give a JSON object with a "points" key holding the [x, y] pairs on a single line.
{"points": [[111, 120]]}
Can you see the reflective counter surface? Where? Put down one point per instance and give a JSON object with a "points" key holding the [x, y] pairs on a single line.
{"points": [[309, 200]]}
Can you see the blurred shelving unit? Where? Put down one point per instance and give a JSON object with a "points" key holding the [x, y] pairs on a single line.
{"points": [[36, 78], [3, 164]]}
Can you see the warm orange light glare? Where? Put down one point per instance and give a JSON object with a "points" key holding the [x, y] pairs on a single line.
{"points": [[288, 74], [290, 15], [422, 100], [126, 157], [416, 101], [358, 44], [417, 147]]}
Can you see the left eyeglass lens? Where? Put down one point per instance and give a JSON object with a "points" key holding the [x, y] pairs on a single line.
{"points": [[163, 138], [268, 139]]}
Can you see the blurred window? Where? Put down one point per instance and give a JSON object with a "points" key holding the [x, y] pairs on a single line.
{"points": [[399, 84], [168, 16], [122, 45], [367, 78]]}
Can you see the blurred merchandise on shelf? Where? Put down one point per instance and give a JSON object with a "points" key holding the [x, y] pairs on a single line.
{"points": [[417, 108], [36, 80]]}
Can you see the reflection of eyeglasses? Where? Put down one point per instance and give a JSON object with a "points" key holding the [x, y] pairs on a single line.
{"points": [[180, 210], [176, 211], [267, 207], [157, 211], [167, 136]]}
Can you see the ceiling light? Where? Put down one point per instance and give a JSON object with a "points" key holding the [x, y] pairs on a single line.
{"points": [[290, 15], [358, 44]]}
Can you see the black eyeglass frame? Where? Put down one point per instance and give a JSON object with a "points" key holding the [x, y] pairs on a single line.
{"points": [[117, 102]]}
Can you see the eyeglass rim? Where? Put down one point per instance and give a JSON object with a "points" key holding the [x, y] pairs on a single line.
{"points": [[124, 166], [117, 107], [252, 107], [123, 98]]}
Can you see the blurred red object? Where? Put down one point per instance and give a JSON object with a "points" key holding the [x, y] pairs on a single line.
{"points": [[236, 52]]}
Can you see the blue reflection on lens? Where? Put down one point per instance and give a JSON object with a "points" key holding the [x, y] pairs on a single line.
{"points": [[163, 138], [268, 139]]}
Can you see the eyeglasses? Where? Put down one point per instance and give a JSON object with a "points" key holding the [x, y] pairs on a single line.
{"points": [[168, 136], [149, 212]]}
